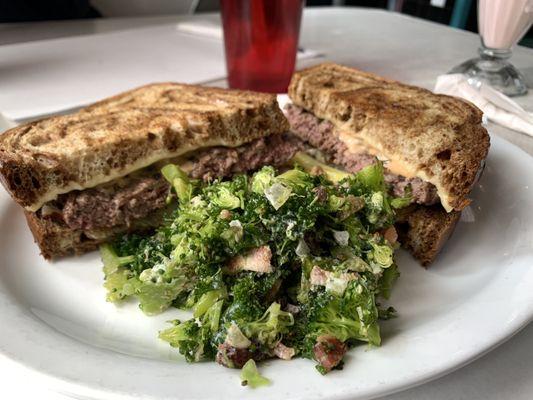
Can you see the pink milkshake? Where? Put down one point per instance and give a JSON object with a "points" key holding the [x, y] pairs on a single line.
{"points": [[502, 23]]}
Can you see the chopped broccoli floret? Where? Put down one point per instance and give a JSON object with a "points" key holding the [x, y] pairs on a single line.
{"points": [[194, 338], [262, 180], [112, 262], [310, 164], [249, 295], [269, 329], [179, 181], [189, 337], [387, 280], [352, 316]]}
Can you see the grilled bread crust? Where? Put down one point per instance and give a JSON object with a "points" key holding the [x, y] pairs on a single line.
{"points": [[55, 239], [423, 231], [124, 133], [440, 137]]}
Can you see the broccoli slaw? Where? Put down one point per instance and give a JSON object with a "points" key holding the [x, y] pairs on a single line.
{"points": [[272, 265]]}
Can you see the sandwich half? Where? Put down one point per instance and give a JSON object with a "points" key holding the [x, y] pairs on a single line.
{"points": [[433, 146], [86, 177]]}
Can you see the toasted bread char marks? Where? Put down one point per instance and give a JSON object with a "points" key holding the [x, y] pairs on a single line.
{"points": [[114, 137], [437, 138]]}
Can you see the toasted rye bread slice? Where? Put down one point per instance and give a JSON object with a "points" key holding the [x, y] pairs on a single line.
{"points": [[424, 230], [112, 138], [55, 239], [437, 138]]}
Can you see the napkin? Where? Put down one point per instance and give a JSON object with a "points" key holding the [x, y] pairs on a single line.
{"points": [[496, 106], [210, 28]]}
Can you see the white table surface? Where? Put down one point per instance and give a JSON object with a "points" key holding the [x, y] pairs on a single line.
{"points": [[393, 45]]}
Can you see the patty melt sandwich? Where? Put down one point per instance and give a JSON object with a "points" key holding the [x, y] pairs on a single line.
{"points": [[87, 177], [433, 146]]}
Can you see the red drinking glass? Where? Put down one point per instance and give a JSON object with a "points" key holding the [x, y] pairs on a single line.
{"points": [[261, 39]]}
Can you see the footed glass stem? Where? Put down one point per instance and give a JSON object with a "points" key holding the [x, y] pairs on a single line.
{"points": [[493, 67]]}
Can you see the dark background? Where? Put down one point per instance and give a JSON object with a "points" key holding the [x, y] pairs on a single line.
{"points": [[41, 10]]}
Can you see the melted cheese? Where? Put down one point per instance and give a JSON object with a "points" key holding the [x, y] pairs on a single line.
{"points": [[163, 155], [394, 165], [399, 168]]}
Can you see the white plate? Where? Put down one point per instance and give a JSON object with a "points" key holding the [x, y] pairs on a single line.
{"points": [[54, 319]]}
